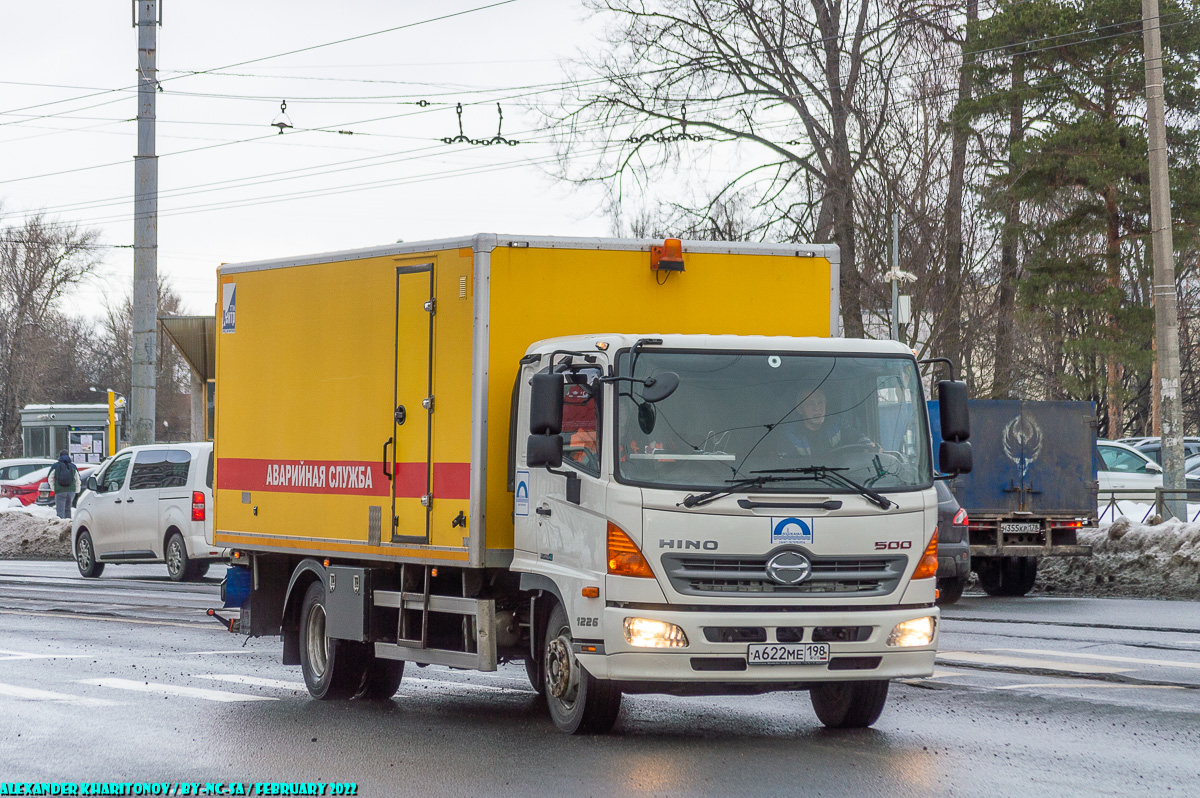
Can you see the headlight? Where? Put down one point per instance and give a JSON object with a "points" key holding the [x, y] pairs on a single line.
{"points": [[917, 632], [645, 633]]}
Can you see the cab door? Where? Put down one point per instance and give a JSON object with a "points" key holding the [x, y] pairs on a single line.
{"points": [[413, 403], [568, 507]]}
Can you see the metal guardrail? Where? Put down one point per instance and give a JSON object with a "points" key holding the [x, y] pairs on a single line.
{"points": [[1159, 505]]}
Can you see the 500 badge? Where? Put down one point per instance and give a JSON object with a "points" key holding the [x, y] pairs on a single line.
{"points": [[892, 545]]}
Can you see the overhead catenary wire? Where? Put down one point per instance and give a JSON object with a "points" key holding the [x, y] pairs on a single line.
{"points": [[234, 65], [559, 85], [433, 150]]}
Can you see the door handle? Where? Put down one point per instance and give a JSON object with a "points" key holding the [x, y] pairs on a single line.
{"points": [[129, 501], [116, 501], [387, 473], [543, 511]]}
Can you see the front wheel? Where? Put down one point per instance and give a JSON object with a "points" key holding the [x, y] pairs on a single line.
{"points": [[579, 703], [85, 557], [332, 668], [849, 705]]}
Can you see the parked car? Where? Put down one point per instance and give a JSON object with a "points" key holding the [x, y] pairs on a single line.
{"points": [[954, 547], [19, 467], [1122, 467], [149, 504], [1152, 448], [27, 489]]}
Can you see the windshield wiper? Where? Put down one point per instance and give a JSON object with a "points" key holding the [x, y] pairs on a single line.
{"points": [[699, 499], [825, 472]]}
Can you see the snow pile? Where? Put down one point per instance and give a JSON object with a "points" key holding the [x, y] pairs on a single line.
{"points": [[1129, 559], [32, 533]]}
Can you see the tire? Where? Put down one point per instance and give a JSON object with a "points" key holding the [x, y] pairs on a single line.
{"points": [[333, 669], [578, 703], [85, 557], [179, 565], [849, 705], [1008, 576], [382, 678], [199, 569], [950, 590], [988, 571], [1017, 575]]}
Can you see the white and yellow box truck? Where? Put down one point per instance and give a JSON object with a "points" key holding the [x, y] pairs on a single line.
{"points": [[435, 453]]}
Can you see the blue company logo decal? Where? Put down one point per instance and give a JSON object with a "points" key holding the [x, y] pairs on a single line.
{"points": [[521, 502], [791, 530], [228, 306]]}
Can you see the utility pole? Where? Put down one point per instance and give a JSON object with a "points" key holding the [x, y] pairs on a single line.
{"points": [[1166, 318], [145, 231]]}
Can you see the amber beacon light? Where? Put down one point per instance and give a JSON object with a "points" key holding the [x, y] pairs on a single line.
{"points": [[668, 257]]}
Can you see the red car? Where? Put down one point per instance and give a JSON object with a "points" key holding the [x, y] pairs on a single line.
{"points": [[25, 489]]}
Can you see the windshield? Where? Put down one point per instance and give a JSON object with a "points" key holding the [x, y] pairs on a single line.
{"points": [[740, 415]]}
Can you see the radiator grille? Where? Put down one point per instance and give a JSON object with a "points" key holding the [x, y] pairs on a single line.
{"points": [[710, 575]]}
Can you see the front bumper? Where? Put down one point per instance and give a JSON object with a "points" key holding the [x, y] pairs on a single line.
{"points": [[199, 549], [954, 560], [703, 661]]}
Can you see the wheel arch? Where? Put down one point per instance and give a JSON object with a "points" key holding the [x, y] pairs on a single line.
{"points": [[171, 530], [544, 595], [304, 574]]}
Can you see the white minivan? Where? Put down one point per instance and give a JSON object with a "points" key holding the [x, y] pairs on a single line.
{"points": [[149, 504]]}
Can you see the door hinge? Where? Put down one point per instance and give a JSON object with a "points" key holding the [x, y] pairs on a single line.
{"points": [[431, 306], [427, 500]]}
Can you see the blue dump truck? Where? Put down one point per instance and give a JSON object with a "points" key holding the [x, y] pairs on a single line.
{"points": [[1033, 486]]}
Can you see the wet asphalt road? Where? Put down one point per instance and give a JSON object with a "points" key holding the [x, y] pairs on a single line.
{"points": [[122, 679]]}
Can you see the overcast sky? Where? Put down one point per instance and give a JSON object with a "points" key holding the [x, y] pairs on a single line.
{"points": [[231, 188]]}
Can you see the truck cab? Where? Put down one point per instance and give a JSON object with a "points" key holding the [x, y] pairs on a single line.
{"points": [[724, 514]]}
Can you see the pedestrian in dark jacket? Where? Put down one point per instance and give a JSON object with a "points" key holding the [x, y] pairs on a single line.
{"points": [[64, 478]]}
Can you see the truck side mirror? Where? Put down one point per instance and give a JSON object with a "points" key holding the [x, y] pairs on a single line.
{"points": [[660, 386], [544, 450], [546, 405], [952, 404], [954, 457]]}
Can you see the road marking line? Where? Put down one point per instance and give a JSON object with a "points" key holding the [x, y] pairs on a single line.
{"points": [[1168, 663], [4, 655], [945, 673], [1095, 685], [1026, 662], [31, 694], [76, 617], [231, 651], [256, 681], [171, 689]]}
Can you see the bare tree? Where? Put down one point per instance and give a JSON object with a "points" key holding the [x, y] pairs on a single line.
{"points": [[40, 262], [110, 354], [796, 91]]}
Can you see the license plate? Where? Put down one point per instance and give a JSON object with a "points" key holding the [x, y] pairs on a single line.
{"points": [[787, 653], [1020, 527]]}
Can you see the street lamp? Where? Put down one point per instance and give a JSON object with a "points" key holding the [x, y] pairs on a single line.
{"points": [[112, 416]]}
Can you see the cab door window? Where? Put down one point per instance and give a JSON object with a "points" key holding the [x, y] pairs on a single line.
{"points": [[581, 422]]}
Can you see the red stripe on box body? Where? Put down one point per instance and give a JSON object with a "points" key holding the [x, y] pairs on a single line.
{"points": [[342, 477]]}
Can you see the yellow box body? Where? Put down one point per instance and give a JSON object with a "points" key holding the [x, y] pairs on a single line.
{"points": [[314, 354]]}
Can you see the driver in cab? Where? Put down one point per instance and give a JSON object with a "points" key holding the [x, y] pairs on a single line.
{"points": [[815, 435]]}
